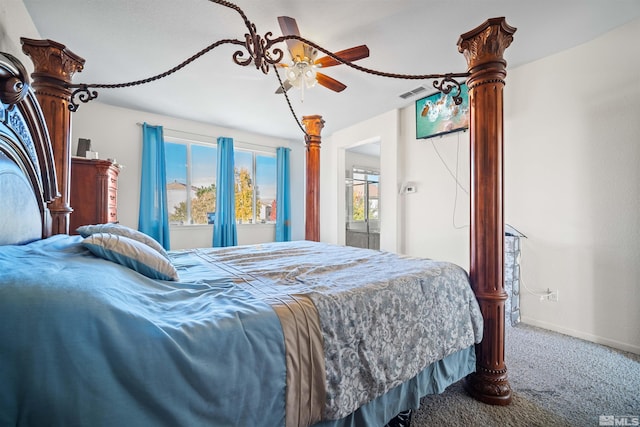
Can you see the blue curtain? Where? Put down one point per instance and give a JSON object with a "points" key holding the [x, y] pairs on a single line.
{"points": [[283, 196], [224, 228], [153, 218]]}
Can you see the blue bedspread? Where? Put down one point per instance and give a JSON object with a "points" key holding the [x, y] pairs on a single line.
{"points": [[86, 342], [384, 317]]}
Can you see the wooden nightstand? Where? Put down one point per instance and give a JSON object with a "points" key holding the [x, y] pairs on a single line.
{"points": [[94, 192]]}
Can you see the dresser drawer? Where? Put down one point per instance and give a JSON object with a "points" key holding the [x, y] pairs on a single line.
{"points": [[112, 197], [113, 214]]}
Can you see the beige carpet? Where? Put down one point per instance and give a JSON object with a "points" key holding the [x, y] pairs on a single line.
{"points": [[455, 408], [556, 380]]}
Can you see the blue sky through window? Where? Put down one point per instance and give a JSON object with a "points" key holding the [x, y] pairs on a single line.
{"points": [[204, 165], [201, 163], [266, 176], [176, 162]]}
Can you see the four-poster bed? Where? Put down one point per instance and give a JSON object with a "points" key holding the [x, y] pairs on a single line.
{"points": [[29, 153]]}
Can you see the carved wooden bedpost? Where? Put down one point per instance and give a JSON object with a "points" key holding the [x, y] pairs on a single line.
{"points": [[313, 126], [54, 66], [483, 49]]}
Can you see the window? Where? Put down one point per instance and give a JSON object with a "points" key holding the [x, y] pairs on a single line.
{"points": [[191, 184], [364, 203], [266, 183], [255, 177]]}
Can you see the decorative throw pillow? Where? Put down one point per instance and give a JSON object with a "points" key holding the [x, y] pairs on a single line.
{"points": [[122, 230], [132, 254]]}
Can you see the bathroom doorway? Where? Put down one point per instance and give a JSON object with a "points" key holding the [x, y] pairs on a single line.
{"points": [[362, 196]]}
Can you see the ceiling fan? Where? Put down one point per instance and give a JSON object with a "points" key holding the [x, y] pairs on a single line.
{"points": [[302, 71]]}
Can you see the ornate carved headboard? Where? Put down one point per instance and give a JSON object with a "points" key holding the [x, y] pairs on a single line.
{"points": [[27, 170]]}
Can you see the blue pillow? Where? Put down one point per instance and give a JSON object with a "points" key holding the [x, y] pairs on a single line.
{"points": [[132, 254], [122, 230]]}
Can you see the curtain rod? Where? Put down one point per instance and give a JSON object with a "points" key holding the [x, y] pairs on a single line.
{"points": [[180, 131], [211, 136]]}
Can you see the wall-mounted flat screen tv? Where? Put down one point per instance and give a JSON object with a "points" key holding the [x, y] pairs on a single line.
{"points": [[437, 114]]}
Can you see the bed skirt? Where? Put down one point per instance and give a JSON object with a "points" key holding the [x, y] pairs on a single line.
{"points": [[434, 379]]}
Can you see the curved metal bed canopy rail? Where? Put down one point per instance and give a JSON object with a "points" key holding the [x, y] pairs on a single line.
{"points": [[264, 54]]}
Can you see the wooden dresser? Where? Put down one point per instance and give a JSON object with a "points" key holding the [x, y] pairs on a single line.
{"points": [[94, 191]]}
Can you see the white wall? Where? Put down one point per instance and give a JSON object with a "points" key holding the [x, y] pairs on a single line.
{"points": [[572, 177], [572, 185], [436, 216], [360, 160], [383, 128], [417, 224], [15, 22], [115, 134]]}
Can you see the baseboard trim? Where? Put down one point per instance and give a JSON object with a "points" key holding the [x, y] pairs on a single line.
{"points": [[582, 335]]}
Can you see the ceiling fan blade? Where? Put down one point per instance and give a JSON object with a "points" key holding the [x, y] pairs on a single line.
{"points": [[351, 54], [289, 27], [330, 83], [286, 86]]}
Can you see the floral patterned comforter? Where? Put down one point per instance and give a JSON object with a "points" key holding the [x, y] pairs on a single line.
{"points": [[384, 317]]}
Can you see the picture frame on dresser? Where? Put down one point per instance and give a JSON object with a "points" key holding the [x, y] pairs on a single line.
{"points": [[84, 145]]}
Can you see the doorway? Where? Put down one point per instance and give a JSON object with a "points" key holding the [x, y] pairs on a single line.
{"points": [[363, 209]]}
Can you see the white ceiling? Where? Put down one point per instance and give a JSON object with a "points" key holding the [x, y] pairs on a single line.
{"points": [[126, 40]]}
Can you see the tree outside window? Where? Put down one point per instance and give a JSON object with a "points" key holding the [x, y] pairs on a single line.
{"points": [[191, 184]]}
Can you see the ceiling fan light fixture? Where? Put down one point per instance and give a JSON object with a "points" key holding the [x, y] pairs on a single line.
{"points": [[310, 76], [292, 75], [302, 70], [302, 73]]}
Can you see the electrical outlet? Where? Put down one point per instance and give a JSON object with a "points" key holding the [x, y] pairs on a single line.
{"points": [[550, 296]]}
